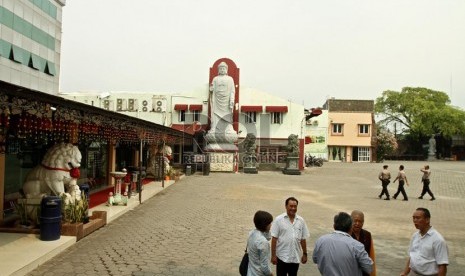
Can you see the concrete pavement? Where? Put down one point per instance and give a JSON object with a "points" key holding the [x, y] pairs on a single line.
{"points": [[199, 225]]}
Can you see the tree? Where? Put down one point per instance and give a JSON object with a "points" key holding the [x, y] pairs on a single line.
{"points": [[421, 111], [386, 143]]}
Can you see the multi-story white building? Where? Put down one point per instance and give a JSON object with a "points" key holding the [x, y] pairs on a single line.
{"points": [[30, 43], [271, 119], [315, 131], [152, 107]]}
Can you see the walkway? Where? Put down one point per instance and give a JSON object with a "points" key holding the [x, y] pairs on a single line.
{"points": [[199, 225]]}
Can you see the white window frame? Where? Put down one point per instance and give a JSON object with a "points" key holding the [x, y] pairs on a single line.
{"points": [[364, 154], [364, 129], [182, 116], [251, 117], [276, 117], [337, 129], [195, 115]]}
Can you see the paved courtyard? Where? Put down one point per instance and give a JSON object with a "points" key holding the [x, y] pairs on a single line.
{"points": [[199, 225]]}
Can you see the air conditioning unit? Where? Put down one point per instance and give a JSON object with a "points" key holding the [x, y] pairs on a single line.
{"points": [[159, 104], [121, 104], [132, 105], [145, 104], [312, 122], [106, 104]]}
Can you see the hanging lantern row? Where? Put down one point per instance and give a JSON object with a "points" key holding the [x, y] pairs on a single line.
{"points": [[4, 119], [40, 121]]}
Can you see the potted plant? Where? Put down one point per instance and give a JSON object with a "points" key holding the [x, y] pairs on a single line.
{"points": [[25, 219], [76, 211], [170, 174]]}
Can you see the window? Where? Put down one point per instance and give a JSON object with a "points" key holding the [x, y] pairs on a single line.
{"points": [[182, 116], [364, 154], [337, 129], [276, 117], [196, 115], [251, 117], [364, 130]]}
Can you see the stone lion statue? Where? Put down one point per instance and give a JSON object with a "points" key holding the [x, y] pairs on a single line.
{"points": [[56, 175], [249, 143], [292, 145], [153, 151]]}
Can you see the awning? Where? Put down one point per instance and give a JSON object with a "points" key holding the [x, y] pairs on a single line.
{"points": [[251, 108], [313, 113], [277, 108], [180, 107], [190, 128], [88, 121], [195, 107]]}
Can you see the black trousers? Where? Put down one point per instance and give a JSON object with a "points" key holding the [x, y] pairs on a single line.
{"points": [[385, 191], [400, 189], [285, 269], [426, 188]]}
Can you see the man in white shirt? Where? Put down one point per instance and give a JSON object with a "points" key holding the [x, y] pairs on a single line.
{"points": [[289, 240], [428, 252]]}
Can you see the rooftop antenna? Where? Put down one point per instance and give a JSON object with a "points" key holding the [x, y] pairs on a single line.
{"points": [[450, 87]]}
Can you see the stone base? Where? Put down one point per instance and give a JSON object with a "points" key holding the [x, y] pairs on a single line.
{"points": [[221, 162], [292, 166], [432, 158], [291, 171], [252, 170]]}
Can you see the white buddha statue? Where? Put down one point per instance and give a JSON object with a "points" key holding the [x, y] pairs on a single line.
{"points": [[222, 101], [432, 146]]}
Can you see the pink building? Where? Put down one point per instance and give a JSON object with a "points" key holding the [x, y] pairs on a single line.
{"points": [[351, 130]]}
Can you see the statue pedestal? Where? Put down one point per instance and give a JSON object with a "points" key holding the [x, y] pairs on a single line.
{"points": [[221, 151], [221, 161], [432, 157], [292, 166], [250, 163]]}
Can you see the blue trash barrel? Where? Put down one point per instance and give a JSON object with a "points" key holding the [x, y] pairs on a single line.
{"points": [[50, 218]]}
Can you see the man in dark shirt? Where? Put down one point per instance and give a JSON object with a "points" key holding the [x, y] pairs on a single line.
{"points": [[363, 236]]}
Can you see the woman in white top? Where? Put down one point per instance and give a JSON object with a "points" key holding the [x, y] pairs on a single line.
{"points": [[258, 245]]}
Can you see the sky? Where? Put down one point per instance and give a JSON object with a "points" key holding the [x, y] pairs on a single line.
{"points": [[305, 51]]}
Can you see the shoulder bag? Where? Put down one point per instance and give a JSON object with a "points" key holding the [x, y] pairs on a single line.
{"points": [[243, 267]]}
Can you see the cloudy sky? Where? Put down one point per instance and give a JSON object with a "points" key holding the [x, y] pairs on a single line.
{"points": [[301, 50]]}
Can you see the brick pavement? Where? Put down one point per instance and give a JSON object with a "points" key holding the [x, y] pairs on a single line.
{"points": [[199, 225]]}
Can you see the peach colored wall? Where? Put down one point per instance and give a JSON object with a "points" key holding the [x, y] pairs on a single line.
{"points": [[350, 135]]}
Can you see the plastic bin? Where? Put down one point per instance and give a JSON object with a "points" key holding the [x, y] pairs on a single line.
{"points": [[50, 218], [206, 168], [188, 170]]}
